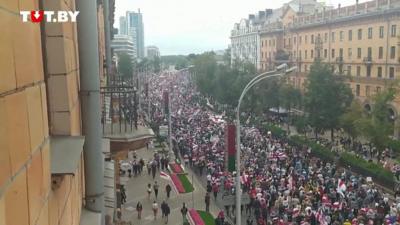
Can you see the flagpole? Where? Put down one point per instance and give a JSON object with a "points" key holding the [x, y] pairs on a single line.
{"points": [[169, 122]]}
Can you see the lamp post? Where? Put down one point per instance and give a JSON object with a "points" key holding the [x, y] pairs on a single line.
{"points": [[275, 73]]}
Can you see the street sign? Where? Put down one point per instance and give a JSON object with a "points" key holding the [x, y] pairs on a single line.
{"points": [[163, 131], [231, 199]]}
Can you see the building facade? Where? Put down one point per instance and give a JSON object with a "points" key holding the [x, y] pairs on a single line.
{"points": [[123, 44], [42, 174], [122, 25], [135, 29], [245, 42], [152, 51]]}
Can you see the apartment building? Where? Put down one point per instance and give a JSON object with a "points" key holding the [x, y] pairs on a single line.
{"points": [[360, 41], [42, 168]]}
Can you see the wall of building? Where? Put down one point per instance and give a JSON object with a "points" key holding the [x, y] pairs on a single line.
{"points": [[38, 99]]}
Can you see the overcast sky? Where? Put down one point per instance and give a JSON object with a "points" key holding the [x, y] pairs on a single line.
{"points": [[195, 26]]}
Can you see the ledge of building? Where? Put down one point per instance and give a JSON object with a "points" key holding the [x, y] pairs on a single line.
{"points": [[90, 218], [66, 153], [126, 134]]}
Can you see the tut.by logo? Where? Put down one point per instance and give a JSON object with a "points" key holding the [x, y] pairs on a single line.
{"points": [[51, 16]]}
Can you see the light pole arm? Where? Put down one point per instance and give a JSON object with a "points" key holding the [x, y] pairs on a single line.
{"points": [[254, 81]]}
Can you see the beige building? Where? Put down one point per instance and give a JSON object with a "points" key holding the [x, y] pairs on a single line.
{"points": [[361, 41], [42, 179]]}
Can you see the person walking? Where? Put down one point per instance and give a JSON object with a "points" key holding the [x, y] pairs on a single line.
{"points": [[148, 191], [155, 187], [184, 211], [163, 207], [167, 212], [139, 209], [207, 201], [168, 190], [155, 209], [215, 190], [153, 168]]}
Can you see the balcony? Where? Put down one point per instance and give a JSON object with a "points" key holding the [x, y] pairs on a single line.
{"points": [[339, 60], [120, 115], [368, 60]]}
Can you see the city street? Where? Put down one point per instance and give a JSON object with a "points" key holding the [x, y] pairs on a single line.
{"points": [[136, 190]]}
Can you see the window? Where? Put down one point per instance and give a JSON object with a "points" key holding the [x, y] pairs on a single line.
{"points": [[370, 33], [326, 37], [359, 53], [333, 37], [359, 34], [368, 71], [294, 40], [392, 52], [391, 72], [325, 53], [312, 53], [341, 52], [381, 32], [380, 53], [300, 39], [341, 35], [357, 90], [350, 52], [348, 70], [262, 44], [300, 54], [369, 52], [350, 35], [305, 54], [378, 89], [393, 31], [358, 71], [312, 40], [379, 75], [306, 39], [367, 90], [333, 53]]}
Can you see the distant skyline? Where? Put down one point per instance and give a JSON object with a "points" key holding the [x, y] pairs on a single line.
{"points": [[181, 27]]}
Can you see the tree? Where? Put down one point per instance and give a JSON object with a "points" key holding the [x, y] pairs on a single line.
{"points": [[125, 65], [326, 98], [227, 57], [377, 126], [348, 121], [156, 64], [289, 98]]}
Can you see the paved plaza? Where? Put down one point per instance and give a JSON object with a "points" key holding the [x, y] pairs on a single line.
{"points": [[136, 190]]}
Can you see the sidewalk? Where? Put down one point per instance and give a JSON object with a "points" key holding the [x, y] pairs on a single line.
{"points": [[136, 190]]}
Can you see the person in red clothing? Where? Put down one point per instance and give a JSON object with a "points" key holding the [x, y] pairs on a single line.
{"points": [[215, 190]]}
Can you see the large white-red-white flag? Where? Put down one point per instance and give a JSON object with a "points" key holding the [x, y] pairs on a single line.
{"points": [[341, 188], [164, 175]]}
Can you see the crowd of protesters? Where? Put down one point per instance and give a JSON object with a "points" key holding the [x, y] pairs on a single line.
{"points": [[286, 185]]}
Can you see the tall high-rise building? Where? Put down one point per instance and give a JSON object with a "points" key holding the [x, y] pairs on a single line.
{"points": [[134, 25], [122, 25]]}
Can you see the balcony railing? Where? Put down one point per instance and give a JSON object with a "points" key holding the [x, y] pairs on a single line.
{"points": [[339, 60], [367, 60], [119, 101]]}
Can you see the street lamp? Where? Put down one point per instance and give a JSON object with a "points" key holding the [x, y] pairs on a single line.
{"points": [[279, 71]]}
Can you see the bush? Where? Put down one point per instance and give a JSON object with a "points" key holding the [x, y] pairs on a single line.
{"points": [[275, 130], [317, 150], [365, 168], [394, 145]]}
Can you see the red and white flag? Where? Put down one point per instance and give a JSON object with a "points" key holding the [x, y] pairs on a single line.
{"points": [[341, 188], [164, 176]]}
